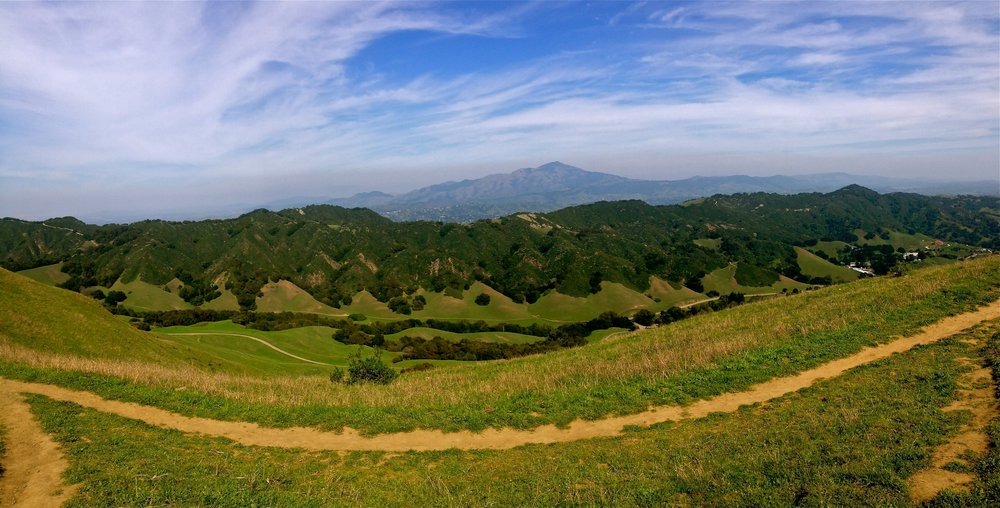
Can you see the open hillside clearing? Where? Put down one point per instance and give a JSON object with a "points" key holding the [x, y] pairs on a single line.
{"points": [[262, 341], [424, 440]]}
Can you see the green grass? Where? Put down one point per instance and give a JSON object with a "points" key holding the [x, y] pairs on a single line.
{"points": [[849, 441], [227, 301], [145, 296], [815, 266], [500, 308], [897, 239], [832, 248], [688, 360], [283, 296], [241, 355], [365, 303], [48, 274], [724, 282], [708, 243], [52, 320], [665, 295], [615, 297]]}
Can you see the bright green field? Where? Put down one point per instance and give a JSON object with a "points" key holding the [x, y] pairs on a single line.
{"points": [[815, 266], [145, 296], [48, 274], [723, 280], [241, 355]]}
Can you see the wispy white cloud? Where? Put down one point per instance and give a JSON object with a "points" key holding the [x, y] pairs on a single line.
{"points": [[131, 97]]}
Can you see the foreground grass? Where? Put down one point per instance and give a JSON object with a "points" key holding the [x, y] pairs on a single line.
{"points": [[850, 441], [986, 489], [676, 364]]}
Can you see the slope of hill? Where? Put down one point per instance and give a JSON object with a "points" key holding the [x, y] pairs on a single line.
{"points": [[47, 319]]}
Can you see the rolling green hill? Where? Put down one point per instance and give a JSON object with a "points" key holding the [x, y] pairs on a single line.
{"points": [[333, 253]]}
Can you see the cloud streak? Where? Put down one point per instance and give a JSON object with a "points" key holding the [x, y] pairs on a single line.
{"points": [[234, 102]]}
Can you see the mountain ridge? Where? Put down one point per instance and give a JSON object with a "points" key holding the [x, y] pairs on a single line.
{"points": [[557, 185]]}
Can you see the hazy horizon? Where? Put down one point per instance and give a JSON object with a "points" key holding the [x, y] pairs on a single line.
{"points": [[126, 109]]}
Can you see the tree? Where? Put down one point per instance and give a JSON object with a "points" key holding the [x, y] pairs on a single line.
{"points": [[644, 317], [483, 299], [114, 297], [370, 369]]}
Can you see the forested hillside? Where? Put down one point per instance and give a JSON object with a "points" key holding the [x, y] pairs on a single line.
{"points": [[334, 252]]}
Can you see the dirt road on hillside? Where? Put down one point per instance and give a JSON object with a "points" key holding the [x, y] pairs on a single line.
{"points": [[262, 341]]}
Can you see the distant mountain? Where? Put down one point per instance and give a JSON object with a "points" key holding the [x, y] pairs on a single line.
{"points": [[556, 185]]}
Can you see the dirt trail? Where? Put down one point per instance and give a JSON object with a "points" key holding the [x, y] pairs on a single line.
{"points": [[33, 462], [349, 439], [262, 341], [978, 395]]}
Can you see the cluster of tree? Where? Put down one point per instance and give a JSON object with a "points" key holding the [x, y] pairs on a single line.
{"points": [[365, 369], [83, 273], [111, 299], [880, 258], [196, 291], [406, 305], [438, 348]]}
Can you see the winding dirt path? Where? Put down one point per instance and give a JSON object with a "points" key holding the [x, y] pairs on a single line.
{"points": [[33, 462], [262, 341], [350, 439]]}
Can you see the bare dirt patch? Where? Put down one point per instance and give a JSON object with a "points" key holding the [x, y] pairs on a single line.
{"points": [[33, 464]]}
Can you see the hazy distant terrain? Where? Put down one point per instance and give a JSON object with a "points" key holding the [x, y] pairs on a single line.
{"points": [[556, 185]]}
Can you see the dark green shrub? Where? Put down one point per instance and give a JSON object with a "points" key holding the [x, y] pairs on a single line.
{"points": [[370, 369], [483, 299]]}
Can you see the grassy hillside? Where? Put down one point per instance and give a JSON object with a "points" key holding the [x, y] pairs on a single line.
{"points": [[48, 274], [51, 320], [284, 296], [723, 281], [815, 266], [684, 361], [145, 296]]}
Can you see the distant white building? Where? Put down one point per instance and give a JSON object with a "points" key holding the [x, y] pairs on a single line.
{"points": [[861, 269]]}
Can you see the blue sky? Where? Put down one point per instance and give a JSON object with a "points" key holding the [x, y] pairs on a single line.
{"points": [[138, 109]]}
